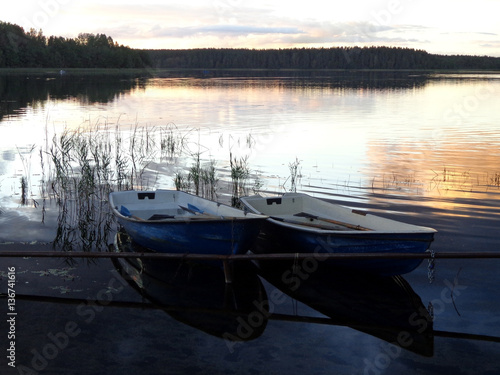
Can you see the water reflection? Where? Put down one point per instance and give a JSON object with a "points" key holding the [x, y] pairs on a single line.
{"points": [[384, 307], [357, 134], [197, 295], [21, 91], [396, 149], [298, 80]]}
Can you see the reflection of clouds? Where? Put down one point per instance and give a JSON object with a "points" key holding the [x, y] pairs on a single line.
{"points": [[8, 155], [25, 224]]}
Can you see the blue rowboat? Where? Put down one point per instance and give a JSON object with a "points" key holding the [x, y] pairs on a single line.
{"points": [[172, 221], [299, 223]]}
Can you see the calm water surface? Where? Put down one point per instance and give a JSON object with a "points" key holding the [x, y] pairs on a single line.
{"points": [[423, 148]]}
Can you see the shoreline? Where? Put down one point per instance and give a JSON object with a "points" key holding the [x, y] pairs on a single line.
{"points": [[153, 71]]}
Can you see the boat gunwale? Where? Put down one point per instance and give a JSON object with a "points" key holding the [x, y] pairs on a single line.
{"points": [[245, 215], [304, 228], [281, 220], [187, 219]]}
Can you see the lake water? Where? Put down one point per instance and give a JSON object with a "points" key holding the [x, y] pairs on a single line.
{"points": [[419, 147]]}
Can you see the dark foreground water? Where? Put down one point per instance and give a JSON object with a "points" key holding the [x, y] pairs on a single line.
{"points": [[103, 317]]}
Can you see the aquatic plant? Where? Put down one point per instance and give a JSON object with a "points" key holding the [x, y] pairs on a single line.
{"points": [[82, 180], [24, 191], [209, 181], [121, 163], [142, 151], [257, 184], [202, 180], [195, 174], [294, 174], [172, 141], [81, 167], [180, 181], [239, 175]]}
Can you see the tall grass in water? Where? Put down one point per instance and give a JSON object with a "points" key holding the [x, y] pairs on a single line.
{"points": [[87, 166], [239, 176], [24, 191], [295, 174], [172, 141], [82, 181], [195, 174], [201, 180], [209, 181]]}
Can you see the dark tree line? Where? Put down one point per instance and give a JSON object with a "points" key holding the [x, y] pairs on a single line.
{"points": [[20, 49], [317, 58], [32, 49]]}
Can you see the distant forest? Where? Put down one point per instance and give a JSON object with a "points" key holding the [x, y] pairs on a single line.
{"points": [[20, 49]]}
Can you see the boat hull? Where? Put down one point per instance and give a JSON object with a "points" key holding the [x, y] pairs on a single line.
{"points": [[221, 237], [275, 238], [299, 223], [177, 222]]}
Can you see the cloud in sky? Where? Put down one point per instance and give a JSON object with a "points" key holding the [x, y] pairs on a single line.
{"points": [[446, 26], [158, 31]]}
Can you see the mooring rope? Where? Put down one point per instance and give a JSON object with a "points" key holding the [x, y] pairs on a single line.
{"points": [[431, 266]]}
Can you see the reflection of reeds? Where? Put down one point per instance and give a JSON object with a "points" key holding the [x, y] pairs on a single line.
{"points": [[440, 181], [451, 179], [26, 178], [400, 182], [495, 180]]}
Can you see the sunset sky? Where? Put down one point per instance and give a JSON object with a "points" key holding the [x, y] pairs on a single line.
{"points": [[438, 26]]}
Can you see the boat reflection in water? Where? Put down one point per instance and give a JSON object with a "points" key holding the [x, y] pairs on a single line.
{"points": [[196, 294], [383, 306]]}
